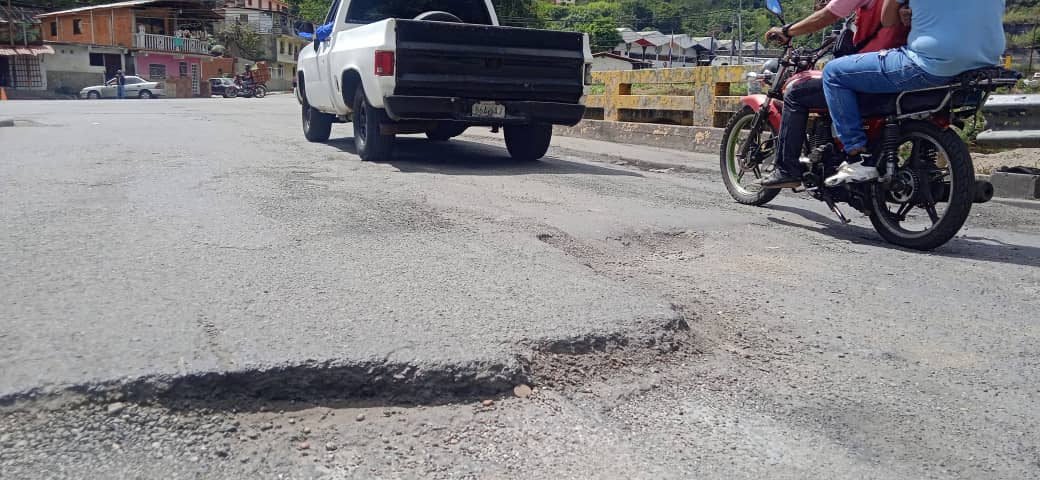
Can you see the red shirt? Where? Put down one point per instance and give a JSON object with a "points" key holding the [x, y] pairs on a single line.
{"points": [[868, 24]]}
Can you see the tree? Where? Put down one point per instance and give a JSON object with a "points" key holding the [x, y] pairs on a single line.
{"points": [[603, 34], [313, 11], [240, 40]]}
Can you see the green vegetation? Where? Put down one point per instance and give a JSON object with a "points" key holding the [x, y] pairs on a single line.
{"points": [[601, 18]]}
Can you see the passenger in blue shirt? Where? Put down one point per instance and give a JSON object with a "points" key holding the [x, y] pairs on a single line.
{"points": [[948, 37]]}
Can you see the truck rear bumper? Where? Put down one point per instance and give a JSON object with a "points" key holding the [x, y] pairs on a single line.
{"points": [[402, 107]]}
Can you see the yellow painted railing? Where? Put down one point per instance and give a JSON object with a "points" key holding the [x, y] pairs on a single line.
{"points": [[709, 106]]}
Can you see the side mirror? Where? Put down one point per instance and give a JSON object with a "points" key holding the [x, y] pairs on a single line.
{"points": [[775, 7], [304, 27]]}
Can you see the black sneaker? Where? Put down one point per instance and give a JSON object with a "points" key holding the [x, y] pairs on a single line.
{"points": [[778, 179]]}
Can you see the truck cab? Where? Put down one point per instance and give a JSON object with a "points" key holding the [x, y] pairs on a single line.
{"points": [[439, 67]]}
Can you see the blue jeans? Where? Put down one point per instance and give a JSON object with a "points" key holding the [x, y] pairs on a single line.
{"points": [[120, 91], [887, 71]]}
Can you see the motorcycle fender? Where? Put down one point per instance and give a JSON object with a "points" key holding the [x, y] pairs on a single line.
{"points": [[756, 102]]}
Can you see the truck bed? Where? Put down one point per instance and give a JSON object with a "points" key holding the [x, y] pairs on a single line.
{"points": [[438, 59]]}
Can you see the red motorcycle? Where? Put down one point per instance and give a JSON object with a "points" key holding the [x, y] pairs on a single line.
{"points": [[246, 87], [927, 181]]}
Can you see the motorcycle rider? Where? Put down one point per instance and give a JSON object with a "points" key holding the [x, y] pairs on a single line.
{"points": [[948, 37], [247, 76], [800, 97]]}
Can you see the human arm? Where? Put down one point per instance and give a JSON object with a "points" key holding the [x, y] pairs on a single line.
{"points": [[819, 20]]}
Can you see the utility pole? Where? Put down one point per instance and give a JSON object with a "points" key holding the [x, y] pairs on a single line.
{"points": [[1032, 49], [10, 22], [740, 32]]}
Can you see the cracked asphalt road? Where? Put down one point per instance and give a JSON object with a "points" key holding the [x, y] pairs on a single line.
{"points": [[205, 238]]}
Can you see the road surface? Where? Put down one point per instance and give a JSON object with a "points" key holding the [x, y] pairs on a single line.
{"points": [[191, 290]]}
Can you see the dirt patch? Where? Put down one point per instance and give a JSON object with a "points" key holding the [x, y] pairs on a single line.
{"points": [[987, 163]]}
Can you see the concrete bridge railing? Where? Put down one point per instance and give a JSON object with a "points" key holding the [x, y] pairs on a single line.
{"points": [[710, 104], [692, 120]]}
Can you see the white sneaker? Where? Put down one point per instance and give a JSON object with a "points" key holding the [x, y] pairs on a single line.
{"points": [[852, 172]]}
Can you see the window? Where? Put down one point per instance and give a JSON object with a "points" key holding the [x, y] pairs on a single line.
{"points": [[96, 60], [183, 69], [77, 26], [156, 70], [368, 11], [331, 17], [281, 47], [250, 3], [243, 18], [134, 80], [54, 29]]}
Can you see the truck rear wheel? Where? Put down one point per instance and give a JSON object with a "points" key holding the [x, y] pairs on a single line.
{"points": [[316, 125], [528, 142], [372, 145]]}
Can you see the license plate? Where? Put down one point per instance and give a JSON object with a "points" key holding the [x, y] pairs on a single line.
{"points": [[489, 110]]}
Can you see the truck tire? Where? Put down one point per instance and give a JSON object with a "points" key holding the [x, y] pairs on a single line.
{"points": [[371, 144], [528, 143], [445, 131], [316, 125]]}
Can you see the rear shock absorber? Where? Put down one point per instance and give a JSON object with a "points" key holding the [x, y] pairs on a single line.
{"points": [[890, 148]]}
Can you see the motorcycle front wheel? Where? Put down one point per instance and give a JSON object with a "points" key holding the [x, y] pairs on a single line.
{"points": [[931, 193], [260, 91], [740, 180]]}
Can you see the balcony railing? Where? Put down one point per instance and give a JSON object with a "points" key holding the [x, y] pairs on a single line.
{"points": [[166, 43]]}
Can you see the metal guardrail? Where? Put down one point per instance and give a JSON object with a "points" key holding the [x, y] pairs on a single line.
{"points": [[710, 105], [1011, 121]]}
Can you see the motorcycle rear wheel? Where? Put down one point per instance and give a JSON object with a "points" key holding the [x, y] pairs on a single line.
{"points": [[733, 175], [947, 177]]}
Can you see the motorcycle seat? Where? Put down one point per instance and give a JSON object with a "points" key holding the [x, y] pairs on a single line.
{"points": [[884, 104]]}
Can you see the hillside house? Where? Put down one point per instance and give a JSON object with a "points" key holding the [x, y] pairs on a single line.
{"points": [[154, 39], [278, 44], [22, 52]]}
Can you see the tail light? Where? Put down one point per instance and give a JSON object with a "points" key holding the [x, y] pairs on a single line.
{"points": [[384, 64]]}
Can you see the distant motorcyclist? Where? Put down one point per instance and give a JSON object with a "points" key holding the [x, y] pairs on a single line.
{"points": [[948, 37], [806, 95]]}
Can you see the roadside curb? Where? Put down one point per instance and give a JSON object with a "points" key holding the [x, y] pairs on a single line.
{"points": [[6, 122], [1014, 185], [676, 137]]}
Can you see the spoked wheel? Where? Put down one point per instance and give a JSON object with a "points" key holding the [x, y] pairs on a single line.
{"points": [[746, 157], [260, 91], [931, 192]]}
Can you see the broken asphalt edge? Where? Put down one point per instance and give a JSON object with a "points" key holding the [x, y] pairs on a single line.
{"points": [[332, 379]]}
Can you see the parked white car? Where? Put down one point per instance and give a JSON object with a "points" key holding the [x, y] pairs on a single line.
{"points": [[136, 87], [438, 67]]}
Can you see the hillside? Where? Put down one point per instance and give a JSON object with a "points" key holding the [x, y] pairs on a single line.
{"points": [[600, 18]]}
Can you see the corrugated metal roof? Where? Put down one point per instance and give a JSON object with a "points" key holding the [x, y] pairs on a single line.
{"points": [[131, 3], [19, 14]]}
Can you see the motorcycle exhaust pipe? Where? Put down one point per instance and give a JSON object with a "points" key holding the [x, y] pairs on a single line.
{"points": [[983, 192]]}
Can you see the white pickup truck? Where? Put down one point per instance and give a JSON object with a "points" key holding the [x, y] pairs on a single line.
{"points": [[438, 67]]}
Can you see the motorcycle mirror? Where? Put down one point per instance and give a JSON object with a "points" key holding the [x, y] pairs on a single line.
{"points": [[775, 7]]}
